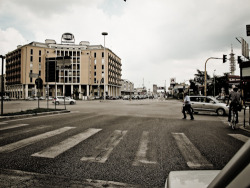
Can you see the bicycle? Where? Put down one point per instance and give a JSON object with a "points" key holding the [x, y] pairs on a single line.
{"points": [[233, 122]]}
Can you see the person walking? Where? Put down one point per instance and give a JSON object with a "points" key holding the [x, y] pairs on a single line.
{"points": [[187, 107]]}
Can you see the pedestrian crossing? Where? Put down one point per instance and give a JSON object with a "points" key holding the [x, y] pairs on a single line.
{"points": [[101, 153]]}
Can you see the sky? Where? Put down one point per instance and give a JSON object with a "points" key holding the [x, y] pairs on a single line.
{"points": [[155, 39]]}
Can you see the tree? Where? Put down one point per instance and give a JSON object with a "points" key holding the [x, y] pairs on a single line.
{"points": [[200, 77]]}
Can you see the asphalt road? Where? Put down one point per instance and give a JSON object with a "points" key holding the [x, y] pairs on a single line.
{"points": [[129, 142]]}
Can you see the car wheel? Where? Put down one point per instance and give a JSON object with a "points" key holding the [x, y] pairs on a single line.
{"points": [[220, 112], [57, 103], [71, 102]]}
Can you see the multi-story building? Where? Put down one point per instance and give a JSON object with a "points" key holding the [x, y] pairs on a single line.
{"points": [[83, 78], [127, 87]]}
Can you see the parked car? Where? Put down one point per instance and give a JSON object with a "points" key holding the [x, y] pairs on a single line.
{"points": [[208, 104], [60, 100], [41, 98]]}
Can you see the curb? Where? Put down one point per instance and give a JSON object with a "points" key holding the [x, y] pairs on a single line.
{"points": [[244, 128], [32, 115]]}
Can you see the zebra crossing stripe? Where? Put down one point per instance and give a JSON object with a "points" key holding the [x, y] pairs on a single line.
{"points": [[190, 153], [65, 145], [28, 141], [13, 126], [141, 155], [18, 132], [240, 137], [105, 149]]}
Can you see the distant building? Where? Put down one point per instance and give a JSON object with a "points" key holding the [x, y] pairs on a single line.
{"points": [[80, 80], [127, 87]]}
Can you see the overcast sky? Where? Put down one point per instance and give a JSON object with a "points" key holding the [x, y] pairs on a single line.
{"points": [[156, 39]]}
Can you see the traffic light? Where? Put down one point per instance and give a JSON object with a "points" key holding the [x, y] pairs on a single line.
{"points": [[224, 58], [239, 60]]}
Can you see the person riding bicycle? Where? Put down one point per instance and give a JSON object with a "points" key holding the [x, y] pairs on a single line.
{"points": [[235, 97]]}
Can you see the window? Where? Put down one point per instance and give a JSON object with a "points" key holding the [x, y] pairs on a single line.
{"points": [[102, 54], [102, 66], [40, 52], [94, 80], [95, 67], [94, 73], [40, 59], [31, 51], [31, 58], [95, 55]]}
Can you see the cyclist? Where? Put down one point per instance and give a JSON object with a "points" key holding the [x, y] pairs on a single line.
{"points": [[235, 97]]}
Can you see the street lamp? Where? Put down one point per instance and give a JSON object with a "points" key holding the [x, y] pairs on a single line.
{"points": [[214, 83], [2, 86], [104, 34]]}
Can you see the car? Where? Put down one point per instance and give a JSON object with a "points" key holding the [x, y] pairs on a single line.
{"points": [[208, 104], [234, 174], [50, 98], [41, 98], [60, 100]]}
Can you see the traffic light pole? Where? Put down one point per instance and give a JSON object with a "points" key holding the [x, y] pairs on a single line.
{"points": [[205, 79]]}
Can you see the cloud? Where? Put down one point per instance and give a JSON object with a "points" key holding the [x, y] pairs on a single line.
{"points": [[156, 40]]}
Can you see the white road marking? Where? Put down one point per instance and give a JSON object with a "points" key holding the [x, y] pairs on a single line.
{"points": [[240, 137], [28, 141], [190, 153], [105, 149], [18, 132], [13, 126], [65, 145], [141, 155]]}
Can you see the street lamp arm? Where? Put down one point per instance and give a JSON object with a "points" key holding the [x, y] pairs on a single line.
{"points": [[205, 80]]}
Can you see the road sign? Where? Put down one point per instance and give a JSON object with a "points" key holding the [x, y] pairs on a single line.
{"points": [[33, 75], [39, 83], [248, 30]]}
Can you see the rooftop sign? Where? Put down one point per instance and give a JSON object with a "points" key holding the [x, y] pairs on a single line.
{"points": [[68, 38]]}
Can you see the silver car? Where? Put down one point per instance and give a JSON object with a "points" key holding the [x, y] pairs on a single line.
{"points": [[60, 100], [208, 104]]}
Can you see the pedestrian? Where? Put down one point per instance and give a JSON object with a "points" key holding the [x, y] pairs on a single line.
{"points": [[187, 107]]}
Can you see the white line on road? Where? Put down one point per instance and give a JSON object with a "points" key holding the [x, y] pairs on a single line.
{"points": [[240, 137], [13, 126], [141, 155], [28, 141], [106, 147], [190, 153], [65, 145], [18, 132]]}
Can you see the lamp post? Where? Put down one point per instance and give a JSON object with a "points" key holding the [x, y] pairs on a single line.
{"points": [[104, 34], [2, 85], [214, 83]]}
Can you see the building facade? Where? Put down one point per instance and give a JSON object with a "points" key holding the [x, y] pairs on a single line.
{"points": [[127, 87], [89, 74]]}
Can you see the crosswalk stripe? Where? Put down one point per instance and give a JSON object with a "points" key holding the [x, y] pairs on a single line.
{"points": [[141, 155], [240, 137], [105, 149], [65, 145], [28, 141], [13, 126], [190, 153], [18, 132]]}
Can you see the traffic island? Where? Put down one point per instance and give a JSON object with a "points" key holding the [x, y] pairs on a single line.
{"points": [[33, 112]]}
